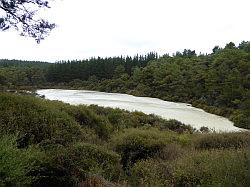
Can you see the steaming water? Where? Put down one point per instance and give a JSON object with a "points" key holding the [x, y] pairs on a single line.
{"points": [[169, 110]]}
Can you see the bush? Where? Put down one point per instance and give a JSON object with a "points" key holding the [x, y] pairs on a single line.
{"points": [[171, 152], [240, 119], [93, 159], [222, 140], [137, 144], [16, 164], [74, 164], [177, 126], [202, 168], [213, 168], [150, 173], [120, 119], [86, 117], [36, 120]]}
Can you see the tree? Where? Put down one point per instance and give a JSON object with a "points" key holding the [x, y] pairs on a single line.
{"points": [[119, 71], [216, 49], [188, 53], [230, 45], [22, 15], [245, 46]]}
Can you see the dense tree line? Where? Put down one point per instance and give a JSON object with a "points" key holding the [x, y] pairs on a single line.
{"points": [[5, 63], [99, 68], [16, 73]]}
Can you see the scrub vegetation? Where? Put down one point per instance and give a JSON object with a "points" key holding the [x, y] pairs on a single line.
{"points": [[50, 143]]}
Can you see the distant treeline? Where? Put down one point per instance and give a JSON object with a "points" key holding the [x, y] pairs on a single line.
{"points": [[100, 68], [5, 63], [218, 82]]}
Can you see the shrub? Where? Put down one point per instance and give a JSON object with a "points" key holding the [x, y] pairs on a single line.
{"points": [[74, 164], [213, 168], [95, 159], [150, 173], [120, 119], [177, 126], [137, 144], [171, 152], [241, 119], [86, 117], [204, 129], [16, 164], [222, 140], [35, 120]]}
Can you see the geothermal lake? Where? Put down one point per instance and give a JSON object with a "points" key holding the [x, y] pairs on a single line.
{"points": [[168, 110]]}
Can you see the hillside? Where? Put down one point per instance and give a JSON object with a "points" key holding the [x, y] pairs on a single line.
{"points": [[48, 143]]}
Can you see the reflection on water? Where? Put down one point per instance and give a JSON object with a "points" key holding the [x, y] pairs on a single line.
{"points": [[168, 110]]}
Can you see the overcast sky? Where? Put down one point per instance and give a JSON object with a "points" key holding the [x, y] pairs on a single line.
{"points": [[88, 28]]}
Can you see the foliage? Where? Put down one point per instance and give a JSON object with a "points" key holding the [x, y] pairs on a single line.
{"points": [[35, 121], [149, 173], [16, 164], [137, 144], [22, 15], [206, 168], [96, 69], [213, 168], [222, 141], [62, 145], [217, 82], [66, 166]]}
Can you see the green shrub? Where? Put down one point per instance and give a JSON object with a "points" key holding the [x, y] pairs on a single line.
{"points": [[222, 140], [170, 152], [86, 117], [150, 173], [16, 165], [241, 119], [95, 159], [137, 144], [73, 164], [36, 120], [194, 169], [213, 168], [120, 119], [176, 126]]}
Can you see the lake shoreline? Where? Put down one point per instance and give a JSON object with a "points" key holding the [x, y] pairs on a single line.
{"points": [[154, 103], [222, 112]]}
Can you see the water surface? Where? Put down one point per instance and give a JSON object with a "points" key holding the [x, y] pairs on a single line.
{"points": [[168, 110]]}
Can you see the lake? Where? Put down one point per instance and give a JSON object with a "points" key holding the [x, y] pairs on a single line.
{"points": [[168, 110]]}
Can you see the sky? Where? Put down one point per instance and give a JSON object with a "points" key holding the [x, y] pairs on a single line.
{"points": [[91, 28]]}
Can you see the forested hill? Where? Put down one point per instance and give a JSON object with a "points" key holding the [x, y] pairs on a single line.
{"points": [[218, 82]]}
